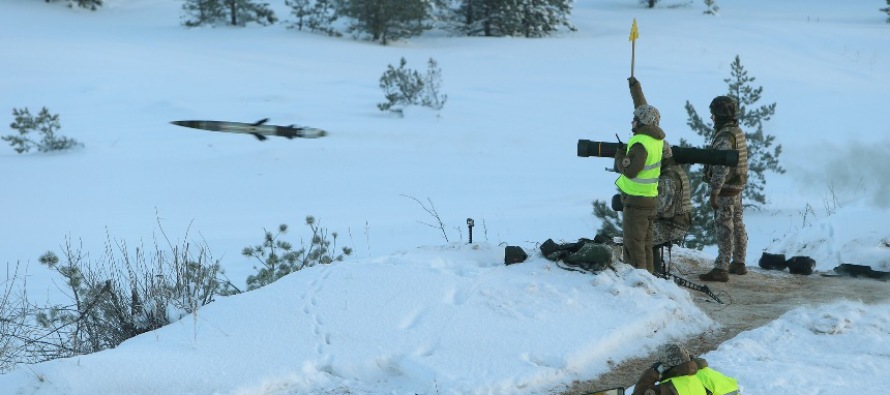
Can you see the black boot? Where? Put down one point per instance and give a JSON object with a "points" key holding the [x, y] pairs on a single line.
{"points": [[657, 262]]}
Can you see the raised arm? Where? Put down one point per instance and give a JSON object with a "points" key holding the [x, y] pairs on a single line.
{"points": [[636, 92]]}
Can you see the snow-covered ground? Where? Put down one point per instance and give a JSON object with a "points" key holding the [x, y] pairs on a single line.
{"points": [[410, 312]]}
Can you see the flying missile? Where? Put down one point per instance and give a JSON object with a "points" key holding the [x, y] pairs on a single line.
{"points": [[258, 129]]}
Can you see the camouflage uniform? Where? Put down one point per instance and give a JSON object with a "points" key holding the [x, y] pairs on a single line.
{"points": [[728, 183], [674, 212], [732, 239], [673, 215]]}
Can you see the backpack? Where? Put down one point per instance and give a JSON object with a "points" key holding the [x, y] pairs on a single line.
{"points": [[801, 265], [772, 261], [585, 254]]}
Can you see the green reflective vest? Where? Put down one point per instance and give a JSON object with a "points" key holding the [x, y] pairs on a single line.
{"points": [[646, 182], [687, 385], [717, 383]]}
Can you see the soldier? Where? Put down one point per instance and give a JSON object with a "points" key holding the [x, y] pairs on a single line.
{"points": [[677, 373], [640, 165], [726, 184], [674, 212]]}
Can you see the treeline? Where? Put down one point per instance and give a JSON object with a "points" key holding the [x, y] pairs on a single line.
{"points": [[382, 21], [389, 20]]}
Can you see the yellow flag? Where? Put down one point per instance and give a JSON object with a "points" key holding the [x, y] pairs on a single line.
{"points": [[634, 34]]}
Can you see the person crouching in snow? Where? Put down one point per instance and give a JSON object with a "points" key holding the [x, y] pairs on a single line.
{"points": [[676, 373]]}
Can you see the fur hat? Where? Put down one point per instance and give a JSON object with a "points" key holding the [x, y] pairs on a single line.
{"points": [[724, 107], [647, 115], [671, 355], [666, 151]]}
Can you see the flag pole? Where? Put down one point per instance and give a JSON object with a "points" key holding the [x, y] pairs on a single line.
{"points": [[634, 34]]}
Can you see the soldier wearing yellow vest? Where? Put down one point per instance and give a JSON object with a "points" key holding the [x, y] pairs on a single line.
{"points": [[676, 373], [715, 382], [640, 165]]}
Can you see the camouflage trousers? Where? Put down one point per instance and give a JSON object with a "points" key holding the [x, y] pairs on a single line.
{"points": [[732, 239]]}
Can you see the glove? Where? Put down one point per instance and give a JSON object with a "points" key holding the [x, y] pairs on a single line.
{"points": [[632, 81], [620, 151], [714, 200]]}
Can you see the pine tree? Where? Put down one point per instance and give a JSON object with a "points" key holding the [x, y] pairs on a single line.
{"points": [[233, 12], [887, 10], [93, 5], [386, 20], [432, 87], [318, 15], [528, 18], [712, 7], [542, 17], [762, 155], [242, 12], [611, 226], [301, 9], [404, 86], [201, 12], [471, 18], [45, 124]]}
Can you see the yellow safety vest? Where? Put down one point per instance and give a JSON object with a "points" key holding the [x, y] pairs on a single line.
{"points": [[646, 182], [717, 383], [687, 385]]}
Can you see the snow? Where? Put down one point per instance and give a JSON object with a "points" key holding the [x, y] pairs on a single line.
{"points": [[410, 312]]}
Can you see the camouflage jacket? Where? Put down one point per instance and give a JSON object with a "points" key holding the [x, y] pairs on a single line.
{"points": [[674, 199], [728, 180]]}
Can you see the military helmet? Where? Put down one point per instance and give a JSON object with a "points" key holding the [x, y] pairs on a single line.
{"points": [[671, 355], [724, 107]]}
